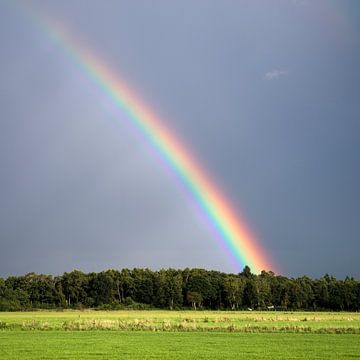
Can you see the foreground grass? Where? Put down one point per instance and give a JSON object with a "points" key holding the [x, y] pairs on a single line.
{"points": [[57, 344], [179, 335]]}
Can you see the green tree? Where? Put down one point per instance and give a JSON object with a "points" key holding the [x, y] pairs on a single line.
{"points": [[199, 281], [250, 294], [169, 288], [263, 290], [143, 286], [74, 285], [234, 290], [195, 299], [102, 288]]}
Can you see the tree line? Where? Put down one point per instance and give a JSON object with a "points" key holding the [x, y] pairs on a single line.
{"points": [[177, 289]]}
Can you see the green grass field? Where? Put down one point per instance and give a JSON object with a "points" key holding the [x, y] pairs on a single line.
{"points": [[179, 335]]}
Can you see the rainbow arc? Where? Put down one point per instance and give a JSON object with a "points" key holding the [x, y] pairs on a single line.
{"points": [[231, 230]]}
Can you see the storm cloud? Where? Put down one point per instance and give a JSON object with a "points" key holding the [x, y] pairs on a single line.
{"points": [[80, 188]]}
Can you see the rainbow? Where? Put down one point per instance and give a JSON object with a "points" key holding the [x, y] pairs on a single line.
{"points": [[232, 233]]}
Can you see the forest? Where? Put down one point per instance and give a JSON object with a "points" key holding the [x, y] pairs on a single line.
{"points": [[177, 289]]}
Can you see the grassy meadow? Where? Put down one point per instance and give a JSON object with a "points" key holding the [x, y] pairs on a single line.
{"points": [[179, 335]]}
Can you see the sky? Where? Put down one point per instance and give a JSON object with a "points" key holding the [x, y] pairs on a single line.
{"points": [[265, 95]]}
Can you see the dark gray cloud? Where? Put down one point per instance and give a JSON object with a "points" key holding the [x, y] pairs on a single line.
{"points": [[78, 186]]}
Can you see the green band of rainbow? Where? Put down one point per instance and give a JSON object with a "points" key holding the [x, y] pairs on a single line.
{"points": [[231, 230]]}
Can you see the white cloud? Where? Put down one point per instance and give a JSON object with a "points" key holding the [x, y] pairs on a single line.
{"points": [[275, 74]]}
